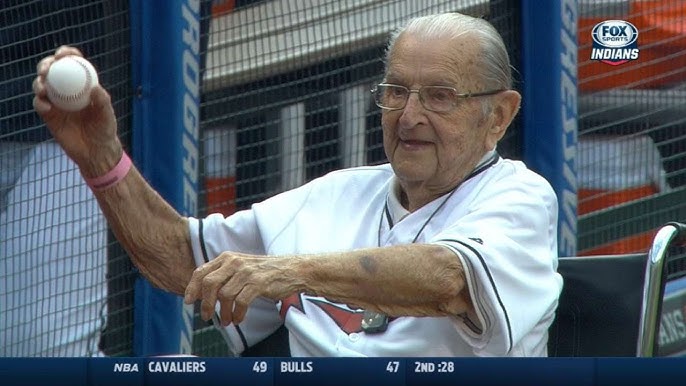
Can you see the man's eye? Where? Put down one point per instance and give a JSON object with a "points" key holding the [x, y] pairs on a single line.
{"points": [[398, 92], [440, 95]]}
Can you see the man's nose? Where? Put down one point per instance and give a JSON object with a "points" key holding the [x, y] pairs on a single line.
{"points": [[413, 110]]}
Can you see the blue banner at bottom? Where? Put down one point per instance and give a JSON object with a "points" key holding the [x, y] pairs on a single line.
{"points": [[197, 371]]}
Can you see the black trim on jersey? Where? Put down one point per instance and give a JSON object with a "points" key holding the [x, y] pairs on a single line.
{"points": [[388, 215], [495, 289], [202, 242], [492, 161], [206, 258], [474, 173], [240, 333], [471, 325]]}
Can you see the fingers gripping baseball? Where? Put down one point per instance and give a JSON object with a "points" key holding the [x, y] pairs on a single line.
{"points": [[76, 109]]}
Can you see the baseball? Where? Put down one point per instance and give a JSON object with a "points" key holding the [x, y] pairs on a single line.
{"points": [[69, 83]]}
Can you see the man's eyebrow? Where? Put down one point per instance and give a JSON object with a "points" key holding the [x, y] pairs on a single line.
{"points": [[438, 80], [442, 79], [391, 77]]}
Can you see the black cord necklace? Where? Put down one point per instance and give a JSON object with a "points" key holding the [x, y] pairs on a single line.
{"points": [[490, 162], [375, 322]]}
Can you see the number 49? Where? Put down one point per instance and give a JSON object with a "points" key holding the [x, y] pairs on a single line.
{"points": [[260, 367]]}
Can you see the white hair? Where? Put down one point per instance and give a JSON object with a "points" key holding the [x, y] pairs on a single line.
{"points": [[494, 71]]}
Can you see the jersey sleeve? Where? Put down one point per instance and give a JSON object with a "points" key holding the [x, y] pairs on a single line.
{"points": [[248, 231], [507, 244], [210, 237]]}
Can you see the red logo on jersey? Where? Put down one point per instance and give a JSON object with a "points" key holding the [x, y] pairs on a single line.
{"points": [[294, 300], [347, 320]]}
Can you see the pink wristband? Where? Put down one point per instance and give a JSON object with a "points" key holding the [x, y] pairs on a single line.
{"points": [[112, 177]]}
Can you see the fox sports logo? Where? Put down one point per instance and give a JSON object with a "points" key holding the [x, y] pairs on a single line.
{"points": [[614, 42]]}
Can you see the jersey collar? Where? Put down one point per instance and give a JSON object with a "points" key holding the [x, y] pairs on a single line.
{"points": [[395, 212]]}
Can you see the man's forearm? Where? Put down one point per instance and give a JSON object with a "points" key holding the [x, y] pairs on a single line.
{"points": [[408, 280], [152, 232]]}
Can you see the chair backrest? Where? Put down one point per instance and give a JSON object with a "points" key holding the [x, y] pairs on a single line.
{"points": [[275, 345], [611, 305], [600, 306]]}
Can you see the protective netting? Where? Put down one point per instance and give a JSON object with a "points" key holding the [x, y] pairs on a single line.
{"points": [[285, 99], [632, 139], [286, 94], [56, 288], [632, 128]]}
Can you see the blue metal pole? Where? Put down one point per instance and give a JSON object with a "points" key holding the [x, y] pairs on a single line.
{"points": [[166, 118], [549, 72]]}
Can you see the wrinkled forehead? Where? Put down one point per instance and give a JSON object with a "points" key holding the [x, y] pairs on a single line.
{"points": [[439, 61]]}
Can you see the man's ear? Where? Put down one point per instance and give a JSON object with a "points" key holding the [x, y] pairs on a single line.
{"points": [[505, 107]]}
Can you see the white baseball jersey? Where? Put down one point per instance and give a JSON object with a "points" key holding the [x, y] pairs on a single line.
{"points": [[53, 254], [501, 223]]}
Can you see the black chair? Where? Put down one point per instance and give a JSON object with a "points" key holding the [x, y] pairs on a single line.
{"points": [[611, 305], [275, 345]]}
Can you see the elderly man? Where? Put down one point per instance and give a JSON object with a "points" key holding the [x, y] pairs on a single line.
{"points": [[448, 250]]}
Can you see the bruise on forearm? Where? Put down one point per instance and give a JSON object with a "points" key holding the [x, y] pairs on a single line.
{"points": [[409, 280], [369, 264]]}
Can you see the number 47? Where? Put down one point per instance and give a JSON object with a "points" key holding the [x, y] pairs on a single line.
{"points": [[392, 366]]}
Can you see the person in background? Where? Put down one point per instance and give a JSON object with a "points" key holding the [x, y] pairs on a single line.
{"points": [[53, 238]]}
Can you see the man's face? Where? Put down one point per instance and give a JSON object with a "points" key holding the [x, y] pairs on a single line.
{"points": [[435, 150]]}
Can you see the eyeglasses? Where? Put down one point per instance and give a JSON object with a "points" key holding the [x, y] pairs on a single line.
{"points": [[434, 98]]}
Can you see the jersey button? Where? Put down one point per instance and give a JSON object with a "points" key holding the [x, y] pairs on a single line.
{"points": [[354, 337]]}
